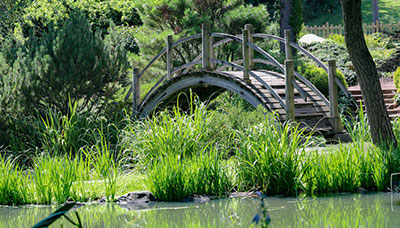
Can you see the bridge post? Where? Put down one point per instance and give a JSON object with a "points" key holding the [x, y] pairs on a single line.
{"points": [[205, 38], [288, 49], [135, 91], [289, 89], [250, 30], [212, 53], [169, 57], [246, 55], [333, 98]]}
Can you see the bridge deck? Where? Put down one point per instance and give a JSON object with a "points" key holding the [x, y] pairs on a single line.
{"points": [[310, 111]]}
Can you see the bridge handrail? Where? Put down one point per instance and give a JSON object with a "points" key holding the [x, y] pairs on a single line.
{"points": [[228, 38], [305, 52], [274, 61], [238, 38], [161, 53], [194, 62], [268, 87], [282, 40]]}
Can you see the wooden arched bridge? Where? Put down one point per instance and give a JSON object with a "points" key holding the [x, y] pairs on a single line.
{"points": [[288, 93]]}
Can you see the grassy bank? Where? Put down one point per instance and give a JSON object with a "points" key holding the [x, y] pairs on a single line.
{"points": [[175, 155]]}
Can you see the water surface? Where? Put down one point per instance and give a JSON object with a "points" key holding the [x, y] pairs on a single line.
{"points": [[345, 210]]}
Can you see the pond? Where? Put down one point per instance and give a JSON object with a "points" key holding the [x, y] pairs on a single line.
{"points": [[344, 210]]}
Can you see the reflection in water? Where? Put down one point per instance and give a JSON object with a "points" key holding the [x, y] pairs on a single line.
{"points": [[349, 210]]}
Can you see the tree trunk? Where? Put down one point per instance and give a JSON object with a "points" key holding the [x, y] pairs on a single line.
{"points": [[286, 9], [380, 126], [375, 12]]}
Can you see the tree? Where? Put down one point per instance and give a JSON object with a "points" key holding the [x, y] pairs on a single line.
{"points": [[291, 18], [72, 64], [380, 126], [375, 11], [184, 17]]}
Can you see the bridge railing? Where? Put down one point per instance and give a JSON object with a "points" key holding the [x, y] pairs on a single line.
{"points": [[208, 61]]}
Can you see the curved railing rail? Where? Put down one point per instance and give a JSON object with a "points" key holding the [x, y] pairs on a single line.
{"points": [[226, 38], [268, 87]]}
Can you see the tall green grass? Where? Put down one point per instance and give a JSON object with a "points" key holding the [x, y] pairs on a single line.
{"points": [[106, 167], [176, 133], [14, 188], [82, 157], [54, 178], [175, 177], [357, 126], [271, 157]]}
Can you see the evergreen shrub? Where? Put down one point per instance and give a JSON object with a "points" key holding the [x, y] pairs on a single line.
{"points": [[72, 64]]}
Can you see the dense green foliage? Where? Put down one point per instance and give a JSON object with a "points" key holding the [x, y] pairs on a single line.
{"points": [[313, 9], [389, 12], [270, 157], [62, 63], [319, 77], [396, 79], [296, 17], [174, 177], [183, 154], [334, 48], [70, 65]]}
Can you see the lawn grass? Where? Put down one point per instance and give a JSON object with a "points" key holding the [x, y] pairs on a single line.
{"points": [[389, 13]]}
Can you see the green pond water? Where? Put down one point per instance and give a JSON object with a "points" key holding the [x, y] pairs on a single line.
{"points": [[345, 210]]}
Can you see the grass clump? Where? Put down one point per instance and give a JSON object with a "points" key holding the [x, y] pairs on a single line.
{"points": [[167, 133], [350, 167], [174, 178], [13, 183], [270, 157]]}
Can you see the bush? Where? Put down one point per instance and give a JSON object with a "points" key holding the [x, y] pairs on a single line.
{"points": [[71, 64], [331, 49], [396, 79], [319, 77]]}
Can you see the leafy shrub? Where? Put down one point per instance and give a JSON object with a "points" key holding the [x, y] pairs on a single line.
{"points": [[101, 14], [234, 21], [339, 39], [319, 77]]}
